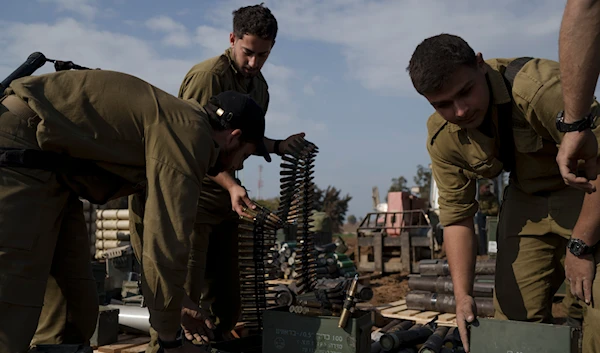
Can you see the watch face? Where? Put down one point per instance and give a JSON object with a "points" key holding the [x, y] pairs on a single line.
{"points": [[576, 247]]}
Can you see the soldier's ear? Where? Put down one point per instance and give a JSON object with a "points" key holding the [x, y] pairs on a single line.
{"points": [[232, 39], [480, 62], [233, 139]]}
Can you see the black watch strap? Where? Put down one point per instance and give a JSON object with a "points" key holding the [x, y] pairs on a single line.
{"points": [[578, 247], [178, 342], [580, 125], [276, 147]]}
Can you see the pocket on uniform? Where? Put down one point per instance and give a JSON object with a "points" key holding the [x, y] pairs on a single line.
{"points": [[488, 169], [526, 140]]}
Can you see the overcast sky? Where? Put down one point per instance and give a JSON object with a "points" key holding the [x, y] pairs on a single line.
{"points": [[337, 71]]}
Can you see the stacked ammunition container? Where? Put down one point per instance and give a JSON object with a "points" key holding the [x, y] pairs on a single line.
{"points": [[330, 263], [408, 337], [432, 289], [112, 230], [296, 201]]}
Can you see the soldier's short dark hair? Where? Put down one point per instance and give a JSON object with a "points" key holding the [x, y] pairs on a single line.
{"points": [[255, 20], [436, 59]]}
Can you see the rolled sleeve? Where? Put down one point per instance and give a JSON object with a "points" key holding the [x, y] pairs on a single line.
{"points": [[457, 191]]}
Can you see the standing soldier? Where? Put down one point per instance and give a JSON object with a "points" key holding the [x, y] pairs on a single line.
{"points": [[494, 115], [215, 236]]}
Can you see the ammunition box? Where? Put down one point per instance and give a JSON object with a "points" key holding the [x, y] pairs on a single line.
{"points": [[293, 333], [502, 336]]}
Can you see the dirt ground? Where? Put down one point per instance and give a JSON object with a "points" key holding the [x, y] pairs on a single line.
{"points": [[393, 287], [386, 289]]}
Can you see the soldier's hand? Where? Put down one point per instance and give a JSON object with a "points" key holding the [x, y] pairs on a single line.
{"points": [[196, 322], [577, 146], [285, 144], [240, 200], [580, 271], [466, 312]]}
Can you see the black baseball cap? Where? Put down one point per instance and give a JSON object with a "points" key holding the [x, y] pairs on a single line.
{"points": [[240, 111]]}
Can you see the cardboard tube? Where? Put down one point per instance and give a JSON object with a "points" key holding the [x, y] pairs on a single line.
{"points": [[113, 224], [116, 214], [112, 235]]}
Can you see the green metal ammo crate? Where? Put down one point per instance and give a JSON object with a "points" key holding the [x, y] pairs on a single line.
{"points": [[285, 332], [503, 336]]}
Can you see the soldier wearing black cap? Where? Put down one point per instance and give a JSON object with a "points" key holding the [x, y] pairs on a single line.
{"points": [[76, 134]]}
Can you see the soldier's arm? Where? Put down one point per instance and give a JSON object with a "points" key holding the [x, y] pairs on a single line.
{"points": [[587, 227], [457, 209], [579, 56], [174, 182]]}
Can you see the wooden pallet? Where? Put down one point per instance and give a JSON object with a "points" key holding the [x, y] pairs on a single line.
{"points": [[126, 344], [399, 310]]}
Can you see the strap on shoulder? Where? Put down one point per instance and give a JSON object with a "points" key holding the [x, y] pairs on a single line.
{"points": [[513, 68], [507, 146]]}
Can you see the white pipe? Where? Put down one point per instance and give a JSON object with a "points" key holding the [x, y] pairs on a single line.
{"points": [[134, 317], [112, 224], [111, 244], [113, 235]]}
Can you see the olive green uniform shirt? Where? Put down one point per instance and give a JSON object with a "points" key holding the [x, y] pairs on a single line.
{"points": [[207, 79], [459, 156], [146, 136]]}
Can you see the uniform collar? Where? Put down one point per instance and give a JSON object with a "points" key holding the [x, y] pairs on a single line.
{"points": [[229, 55]]}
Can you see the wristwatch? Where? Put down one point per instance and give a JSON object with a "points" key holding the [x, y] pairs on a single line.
{"points": [[586, 123], [578, 247], [276, 147], [178, 342]]}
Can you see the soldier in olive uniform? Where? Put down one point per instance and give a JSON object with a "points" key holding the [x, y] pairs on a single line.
{"points": [[101, 135], [215, 236], [493, 115], [488, 206]]}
